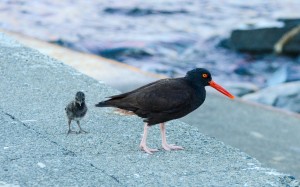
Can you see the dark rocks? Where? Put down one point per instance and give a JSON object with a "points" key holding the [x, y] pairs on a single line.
{"points": [[170, 46], [243, 69], [290, 22], [68, 44], [62, 42], [263, 40], [117, 53], [116, 50], [136, 11]]}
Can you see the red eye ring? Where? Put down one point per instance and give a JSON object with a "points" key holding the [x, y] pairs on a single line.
{"points": [[204, 75]]}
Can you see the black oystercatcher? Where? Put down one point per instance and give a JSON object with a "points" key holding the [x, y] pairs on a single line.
{"points": [[165, 100], [76, 110]]}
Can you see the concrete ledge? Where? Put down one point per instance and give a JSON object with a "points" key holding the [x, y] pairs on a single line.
{"points": [[36, 151]]}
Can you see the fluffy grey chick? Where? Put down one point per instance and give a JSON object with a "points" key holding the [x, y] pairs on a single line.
{"points": [[76, 110]]}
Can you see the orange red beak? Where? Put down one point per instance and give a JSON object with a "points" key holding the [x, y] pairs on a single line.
{"points": [[221, 89]]}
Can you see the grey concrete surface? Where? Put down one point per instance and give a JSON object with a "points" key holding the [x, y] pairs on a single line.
{"points": [[35, 150], [269, 135]]}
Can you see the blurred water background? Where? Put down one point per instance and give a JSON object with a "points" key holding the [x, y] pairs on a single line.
{"points": [[167, 36]]}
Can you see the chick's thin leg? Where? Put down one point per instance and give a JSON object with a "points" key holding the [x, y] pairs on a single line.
{"points": [[80, 129], [70, 131]]}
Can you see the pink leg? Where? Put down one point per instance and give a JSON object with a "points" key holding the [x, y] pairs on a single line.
{"points": [[143, 144], [164, 144]]}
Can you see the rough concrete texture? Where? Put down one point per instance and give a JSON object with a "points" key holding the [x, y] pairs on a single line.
{"points": [[269, 135], [35, 150]]}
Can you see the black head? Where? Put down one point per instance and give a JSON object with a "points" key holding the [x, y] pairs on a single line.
{"points": [[80, 98], [199, 76], [202, 77]]}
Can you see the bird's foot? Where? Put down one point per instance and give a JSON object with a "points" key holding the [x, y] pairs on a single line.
{"points": [[169, 147], [71, 132], [147, 149], [82, 131]]}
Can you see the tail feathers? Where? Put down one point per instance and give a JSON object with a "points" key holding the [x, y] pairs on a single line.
{"points": [[102, 104]]}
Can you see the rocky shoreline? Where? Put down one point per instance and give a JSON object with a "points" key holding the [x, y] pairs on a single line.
{"points": [[282, 86]]}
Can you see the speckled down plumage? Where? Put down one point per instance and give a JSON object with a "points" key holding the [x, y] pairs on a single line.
{"points": [[75, 111]]}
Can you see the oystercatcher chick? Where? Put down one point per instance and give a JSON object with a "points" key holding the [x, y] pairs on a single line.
{"points": [[165, 100], [76, 110]]}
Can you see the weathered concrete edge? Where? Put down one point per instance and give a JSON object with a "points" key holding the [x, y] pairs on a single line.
{"points": [[13, 44]]}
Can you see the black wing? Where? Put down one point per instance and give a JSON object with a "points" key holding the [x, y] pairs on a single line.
{"points": [[167, 96]]}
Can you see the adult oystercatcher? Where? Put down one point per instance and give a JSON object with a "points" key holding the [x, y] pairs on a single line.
{"points": [[165, 100]]}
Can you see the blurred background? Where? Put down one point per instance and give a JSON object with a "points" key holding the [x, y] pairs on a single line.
{"points": [[166, 37], [234, 39]]}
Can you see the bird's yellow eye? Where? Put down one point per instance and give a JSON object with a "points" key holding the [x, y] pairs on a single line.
{"points": [[204, 75]]}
